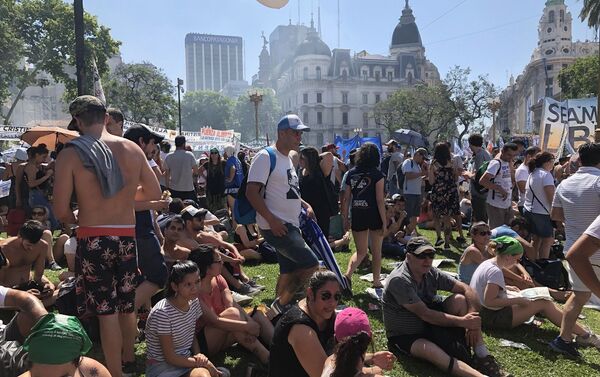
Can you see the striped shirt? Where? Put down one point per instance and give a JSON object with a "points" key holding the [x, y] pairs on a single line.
{"points": [[579, 197], [165, 319]]}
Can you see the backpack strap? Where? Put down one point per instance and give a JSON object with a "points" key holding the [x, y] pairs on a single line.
{"points": [[535, 196], [272, 163], [495, 175]]}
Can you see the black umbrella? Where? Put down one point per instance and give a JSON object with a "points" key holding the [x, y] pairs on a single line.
{"points": [[410, 137]]}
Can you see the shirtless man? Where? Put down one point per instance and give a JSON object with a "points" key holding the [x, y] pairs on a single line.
{"points": [[25, 252], [106, 193], [173, 232]]}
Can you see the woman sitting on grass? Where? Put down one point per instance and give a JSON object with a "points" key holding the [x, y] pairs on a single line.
{"points": [[350, 358], [171, 348], [499, 311], [223, 322], [476, 252]]}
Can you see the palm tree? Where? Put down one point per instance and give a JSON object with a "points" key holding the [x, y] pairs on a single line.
{"points": [[591, 12]]}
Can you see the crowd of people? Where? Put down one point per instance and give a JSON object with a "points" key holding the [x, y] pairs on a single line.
{"points": [[156, 248]]}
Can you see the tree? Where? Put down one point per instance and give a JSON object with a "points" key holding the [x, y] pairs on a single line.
{"points": [[469, 97], [44, 37], [269, 113], [591, 12], [581, 78], [144, 94], [206, 108], [11, 48], [426, 109]]}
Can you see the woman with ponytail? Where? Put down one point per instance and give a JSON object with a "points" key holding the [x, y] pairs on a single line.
{"points": [[539, 191], [350, 358]]}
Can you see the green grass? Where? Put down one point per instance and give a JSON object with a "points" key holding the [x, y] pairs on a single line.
{"points": [[540, 361]]}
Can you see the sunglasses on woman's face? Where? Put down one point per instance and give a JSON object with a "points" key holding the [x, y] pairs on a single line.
{"points": [[326, 296], [425, 255], [484, 233]]}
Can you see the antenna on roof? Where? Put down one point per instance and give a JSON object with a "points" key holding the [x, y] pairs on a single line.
{"points": [[338, 23], [298, 12], [319, 17]]}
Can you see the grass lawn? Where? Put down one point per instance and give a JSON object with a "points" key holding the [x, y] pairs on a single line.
{"points": [[540, 361]]}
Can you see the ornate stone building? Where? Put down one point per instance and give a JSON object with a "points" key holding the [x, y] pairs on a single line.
{"points": [[521, 106], [335, 91]]}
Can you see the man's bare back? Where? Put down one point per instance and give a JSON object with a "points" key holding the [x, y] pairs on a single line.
{"points": [[94, 208]]}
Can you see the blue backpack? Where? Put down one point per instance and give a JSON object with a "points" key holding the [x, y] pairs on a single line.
{"points": [[243, 212]]}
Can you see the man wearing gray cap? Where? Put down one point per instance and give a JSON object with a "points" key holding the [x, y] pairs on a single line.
{"points": [[108, 174]]}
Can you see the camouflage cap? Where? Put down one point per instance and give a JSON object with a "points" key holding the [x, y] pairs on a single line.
{"points": [[81, 105]]}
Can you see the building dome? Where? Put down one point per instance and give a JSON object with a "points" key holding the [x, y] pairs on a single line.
{"points": [[313, 45], [406, 32]]}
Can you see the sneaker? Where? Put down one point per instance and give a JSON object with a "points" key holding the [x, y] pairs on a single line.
{"points": [[248, 290], [278, 308], [253, 284], [566, 348], [439, 242], [488, 366], [242, 300], [591, 340], [54, 266], [128, 369]]}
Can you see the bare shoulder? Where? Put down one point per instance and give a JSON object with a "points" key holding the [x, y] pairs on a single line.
{"points": [[92, 368]]}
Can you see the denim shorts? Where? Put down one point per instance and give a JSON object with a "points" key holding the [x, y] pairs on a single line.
{"points": [[164, 369], [541, 225], [292, 252]]}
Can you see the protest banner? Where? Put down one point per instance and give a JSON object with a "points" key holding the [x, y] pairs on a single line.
{"points": [[572, 121]]}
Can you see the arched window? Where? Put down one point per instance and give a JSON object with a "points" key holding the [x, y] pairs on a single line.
{"points": [[318, 73], [344, 74], [562, 15], [305, 73], [551, 16]]}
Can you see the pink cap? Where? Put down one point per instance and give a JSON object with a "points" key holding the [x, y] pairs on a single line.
{"points": [[351, 321]]}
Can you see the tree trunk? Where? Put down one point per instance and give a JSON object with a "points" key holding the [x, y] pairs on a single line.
{"points": [[24, 85]]}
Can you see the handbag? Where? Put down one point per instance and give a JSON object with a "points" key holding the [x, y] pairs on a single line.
{"points": [[547, 272]]}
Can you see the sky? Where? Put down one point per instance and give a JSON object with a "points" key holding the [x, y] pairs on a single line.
{"points": [[494, 38]]}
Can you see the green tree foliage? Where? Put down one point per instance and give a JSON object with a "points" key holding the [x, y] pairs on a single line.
{"points": [[42, 33], [581, 78], [591, 12], [426, 109], [269, 113], [206, 108], [144, 94], [469, 97]]}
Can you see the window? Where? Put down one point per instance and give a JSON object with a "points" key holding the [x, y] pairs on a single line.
{"points": [[390, 75], [365, 98], [319, 117], [365, 74], [562, 15], [319, 138], [549, 89], [377, 75], [365, 119], [305, 117], [551, 16], [549, 67], [565, 66], [377, 98], [345, 118], [305, 98], [344, 74], [318, 73], [344, 98], [305, 73], [319, 97]]}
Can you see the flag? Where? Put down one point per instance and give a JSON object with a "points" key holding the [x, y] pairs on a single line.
{"points": [[500, 143], [98, 91], [490, 147]]}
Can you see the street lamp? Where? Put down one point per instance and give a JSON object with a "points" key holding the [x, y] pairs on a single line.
{"points": [[256, 98], [179, 91], [357, 131], [494, 105]]}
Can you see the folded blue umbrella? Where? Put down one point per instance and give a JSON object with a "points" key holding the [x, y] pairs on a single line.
{"points": [[316, 240]]}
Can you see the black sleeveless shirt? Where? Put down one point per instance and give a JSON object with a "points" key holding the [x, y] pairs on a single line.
{"points": [[283, 360]]}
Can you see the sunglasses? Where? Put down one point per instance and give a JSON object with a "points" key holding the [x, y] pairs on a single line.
{"points": [[38, 213], [326, 296], [425, 255], [484, 233]]}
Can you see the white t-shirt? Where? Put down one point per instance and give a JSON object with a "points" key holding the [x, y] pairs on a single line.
{"points": [[536, 182], [395, 163], [282, 194], [412, 186], [488, 272], [503, 179], [3, 293], [579, 197], [521, 175], [594, 231]]}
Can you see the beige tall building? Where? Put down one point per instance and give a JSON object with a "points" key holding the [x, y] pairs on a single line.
{"points": [[521, 100]]}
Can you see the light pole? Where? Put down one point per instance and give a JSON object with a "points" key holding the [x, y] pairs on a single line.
{"points": [[256, 98], [179, 91], [79, 46], [494, 107], [357, 131]]}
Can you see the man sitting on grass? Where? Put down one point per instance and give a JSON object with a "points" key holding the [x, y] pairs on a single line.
{"points": [[27, 252], [420, 323]]}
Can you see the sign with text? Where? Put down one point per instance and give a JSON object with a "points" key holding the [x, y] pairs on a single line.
{"points": [[573, 119]]}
